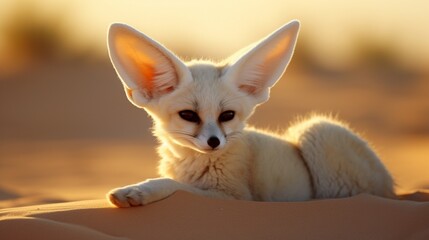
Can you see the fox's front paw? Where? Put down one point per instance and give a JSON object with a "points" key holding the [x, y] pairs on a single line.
{"points": [[143, 193], [129, 196]]}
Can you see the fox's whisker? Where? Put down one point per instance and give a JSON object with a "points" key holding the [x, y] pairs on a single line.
{"points": [[176, 132]]}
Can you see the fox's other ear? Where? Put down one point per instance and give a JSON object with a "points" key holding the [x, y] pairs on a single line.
{"points": [[147, 69], [259, 68]]}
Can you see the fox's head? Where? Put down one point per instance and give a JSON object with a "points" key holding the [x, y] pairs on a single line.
{"points": [[198, 105]]}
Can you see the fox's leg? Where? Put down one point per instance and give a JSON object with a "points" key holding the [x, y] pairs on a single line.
{"points": [[154, 190], [340, 162]]}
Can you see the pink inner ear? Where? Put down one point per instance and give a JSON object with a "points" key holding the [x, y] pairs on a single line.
{"points": [[263, 65], [145, 66], [249, 89], [169, 89], [139, 65], [146, 76]]}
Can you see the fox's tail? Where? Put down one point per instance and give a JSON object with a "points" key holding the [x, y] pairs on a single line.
{"points": [[340, 162]]}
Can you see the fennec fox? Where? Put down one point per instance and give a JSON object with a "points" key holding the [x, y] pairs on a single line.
{"points": [[199, 110]]}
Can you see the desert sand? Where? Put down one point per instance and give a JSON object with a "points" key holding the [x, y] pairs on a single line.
{"points": [[186, 216]]}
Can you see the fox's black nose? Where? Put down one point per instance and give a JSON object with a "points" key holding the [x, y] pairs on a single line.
{"points": [[213, 142]]}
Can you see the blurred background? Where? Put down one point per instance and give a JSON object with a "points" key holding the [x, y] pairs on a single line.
{"points": [[67, 131]]}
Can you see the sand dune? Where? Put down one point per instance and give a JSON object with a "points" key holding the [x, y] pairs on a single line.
{"points": [[186, 216]]}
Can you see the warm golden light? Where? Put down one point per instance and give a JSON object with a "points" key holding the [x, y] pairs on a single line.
{"points": [[62, 105]]}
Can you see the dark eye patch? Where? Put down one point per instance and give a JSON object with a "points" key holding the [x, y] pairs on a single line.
{"points": [[226, 116], [190, 116]]}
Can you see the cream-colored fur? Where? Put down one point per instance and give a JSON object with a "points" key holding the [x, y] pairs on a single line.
{"points": [[200, 109]]}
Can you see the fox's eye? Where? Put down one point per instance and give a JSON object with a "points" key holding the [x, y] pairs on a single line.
{"points": [[189, 116], [226, 116]]}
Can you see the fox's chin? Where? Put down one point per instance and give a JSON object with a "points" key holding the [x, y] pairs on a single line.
{"points": [[207, 150], [211, 151], [199, 149]]}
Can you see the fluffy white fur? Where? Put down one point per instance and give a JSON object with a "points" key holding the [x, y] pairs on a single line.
{"points": [[318, 157]]}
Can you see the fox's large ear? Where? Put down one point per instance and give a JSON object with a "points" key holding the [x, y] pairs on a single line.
{"points": [[259, 68], [147, 69]]}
